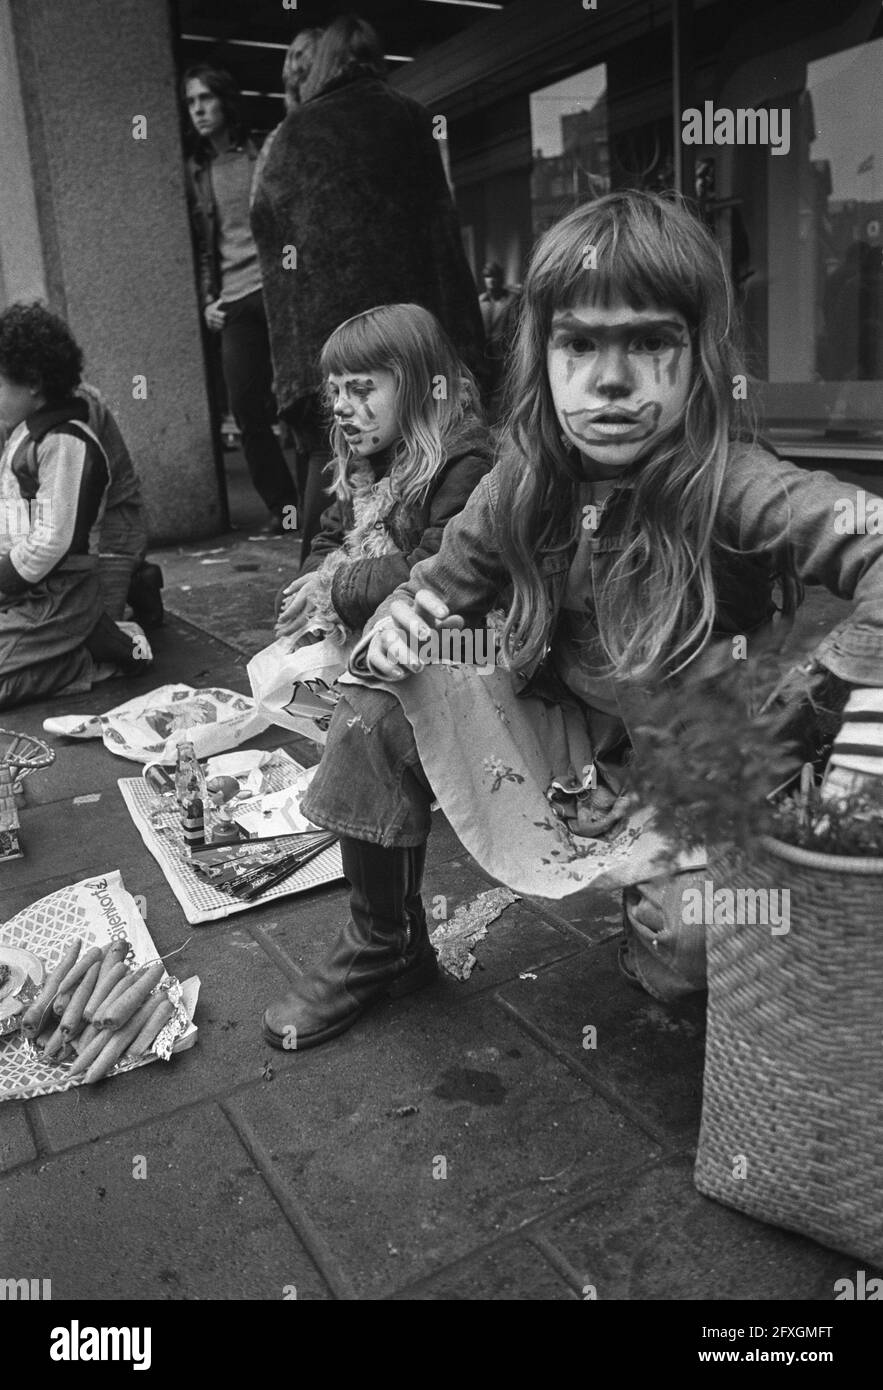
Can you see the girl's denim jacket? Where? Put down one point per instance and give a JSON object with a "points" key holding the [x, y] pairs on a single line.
{"points": [[784, 519]]}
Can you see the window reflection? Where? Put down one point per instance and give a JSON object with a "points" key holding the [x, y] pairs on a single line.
{"points": [[571, 158]]}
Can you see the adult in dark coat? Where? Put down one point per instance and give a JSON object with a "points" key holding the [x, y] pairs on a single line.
{"points": [[353, 210]]}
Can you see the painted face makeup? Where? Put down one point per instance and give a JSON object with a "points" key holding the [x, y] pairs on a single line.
{"points": [[364, 407], [619, 378]]}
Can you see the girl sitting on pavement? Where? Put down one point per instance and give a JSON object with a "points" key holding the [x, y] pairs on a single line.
{"points": [[637, 526], [54, 634], [409, 448]]}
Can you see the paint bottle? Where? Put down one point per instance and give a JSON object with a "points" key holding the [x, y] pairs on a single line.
{"points": [[191, 794]]}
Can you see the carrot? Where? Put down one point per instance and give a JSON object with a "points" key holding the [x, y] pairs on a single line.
{"points": [[121, 1010], [72, 1018], [89, 1033], [123, 985], [35, 1014], [60, 1003], [118, 1042], [114, 954], [163, 1011], [74, 976], [103, 987], [54, 1045], [88, 1054], [42, 1038]]}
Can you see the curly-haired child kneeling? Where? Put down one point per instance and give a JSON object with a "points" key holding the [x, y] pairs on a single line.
{"points": [[54, 478]]}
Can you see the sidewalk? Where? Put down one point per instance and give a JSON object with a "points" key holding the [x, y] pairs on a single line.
{"points": [[460, 1144]]}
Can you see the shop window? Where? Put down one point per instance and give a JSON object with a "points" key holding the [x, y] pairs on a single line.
{"points": [[802, 232], [571, 159]]}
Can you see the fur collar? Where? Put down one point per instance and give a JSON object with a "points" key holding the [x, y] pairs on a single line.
{"points": [[373, 500]]}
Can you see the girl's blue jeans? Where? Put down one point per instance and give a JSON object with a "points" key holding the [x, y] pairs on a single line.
{"points": [[370, 785]]}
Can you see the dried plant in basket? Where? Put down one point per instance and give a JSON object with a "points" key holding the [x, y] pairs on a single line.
{"points": [[718, 755]]}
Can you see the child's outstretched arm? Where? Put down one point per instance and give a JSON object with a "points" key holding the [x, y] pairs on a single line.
{"points": [[812, 520], [359, 588], [393, 650], [465, 578]]}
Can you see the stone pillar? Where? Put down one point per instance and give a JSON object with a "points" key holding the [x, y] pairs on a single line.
{"points": [[114, 255]]}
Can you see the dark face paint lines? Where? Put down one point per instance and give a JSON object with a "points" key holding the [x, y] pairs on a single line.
{"points": [[619, 378], [364, 408], [674, 362], [612, 425]]}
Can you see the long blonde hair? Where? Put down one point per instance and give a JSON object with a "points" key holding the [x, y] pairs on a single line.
{"points": [[436, 395], [658, 608]]}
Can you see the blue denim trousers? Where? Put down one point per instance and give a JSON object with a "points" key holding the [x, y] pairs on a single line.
{"points": [[370, 785]]}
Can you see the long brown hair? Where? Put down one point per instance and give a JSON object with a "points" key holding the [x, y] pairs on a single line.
{"points": [[436, 396], [349, 46], [658, 608], [225, 87]]}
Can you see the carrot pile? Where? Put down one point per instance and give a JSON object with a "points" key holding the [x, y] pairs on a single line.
{"points": [[93, 1011]]}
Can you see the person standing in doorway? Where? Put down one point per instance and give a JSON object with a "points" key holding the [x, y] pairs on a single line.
{"points": [[295, 71], [499, 306], [355, 185], [219, 179]]}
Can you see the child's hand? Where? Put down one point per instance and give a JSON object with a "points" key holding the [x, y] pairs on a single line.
{"points": [[297, 584], [393, 652], [294, 613]]}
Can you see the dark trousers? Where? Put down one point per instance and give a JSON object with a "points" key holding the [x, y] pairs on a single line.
{"points": [[307, 420], [248, 373]]}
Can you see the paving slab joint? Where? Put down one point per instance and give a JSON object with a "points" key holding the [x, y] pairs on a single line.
{"points": [[37, 1127], [298, 1219], [280, 958], [579, 1283], [626, 1107]]}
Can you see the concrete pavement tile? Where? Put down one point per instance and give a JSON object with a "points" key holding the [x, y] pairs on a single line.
{"points": [[595, 914], [511, 1272], [78, 841], [238, 981], [200, 1224], [16, 1144], [649, 1054], [519, 940], [656, 1237], [427, 1131], [82, 767]]}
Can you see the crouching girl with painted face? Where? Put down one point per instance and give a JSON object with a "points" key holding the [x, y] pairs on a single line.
{"points": [[633, 527], [409, 448]]}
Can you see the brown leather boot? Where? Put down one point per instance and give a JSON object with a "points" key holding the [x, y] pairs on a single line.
{"points": [[383, 951]]}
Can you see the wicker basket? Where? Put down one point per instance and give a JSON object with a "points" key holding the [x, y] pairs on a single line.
{"points": [[792, 1114], [22, 754]]}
